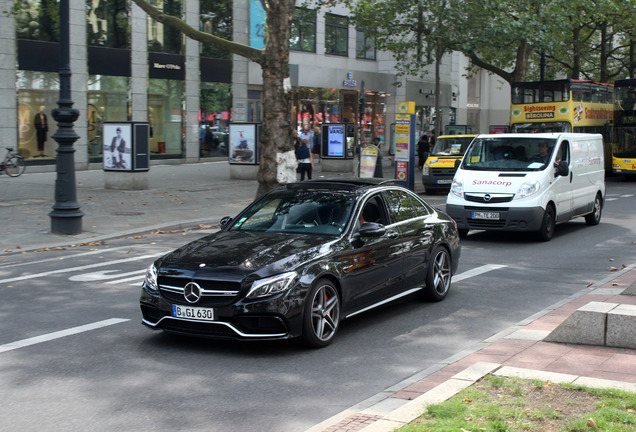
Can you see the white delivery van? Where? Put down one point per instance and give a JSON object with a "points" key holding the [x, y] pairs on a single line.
{"points": [[528, 182]]}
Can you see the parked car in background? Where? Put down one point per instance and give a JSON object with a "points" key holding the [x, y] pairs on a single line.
{"points": [[302, 258]]}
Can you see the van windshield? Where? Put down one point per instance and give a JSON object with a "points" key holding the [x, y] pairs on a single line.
{"points": [[451, 146], [509, 154]]}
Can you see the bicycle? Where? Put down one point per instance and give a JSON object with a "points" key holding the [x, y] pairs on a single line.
{"points": [[13, 164]]}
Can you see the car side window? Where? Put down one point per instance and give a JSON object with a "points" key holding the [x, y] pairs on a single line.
{"points": [[563, 154], [373, 211], [402, 207]]}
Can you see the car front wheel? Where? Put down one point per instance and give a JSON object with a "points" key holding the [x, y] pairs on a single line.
{"points": [[438, 277], [322, 314]]}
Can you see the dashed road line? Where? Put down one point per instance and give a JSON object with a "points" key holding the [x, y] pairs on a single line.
{"points": [[60, 334]]}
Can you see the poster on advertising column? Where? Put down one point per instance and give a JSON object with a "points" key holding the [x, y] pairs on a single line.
{"points": [[243, 142], [117, 146], [335, 140]]}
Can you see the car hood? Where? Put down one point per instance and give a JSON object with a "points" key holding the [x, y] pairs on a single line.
{"points": [[233, 255]]}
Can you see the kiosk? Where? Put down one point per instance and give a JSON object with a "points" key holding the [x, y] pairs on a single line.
{"points": [[338, 147], [126, 159]]}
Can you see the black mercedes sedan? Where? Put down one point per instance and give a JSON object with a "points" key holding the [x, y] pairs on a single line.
{"points": [[300, 259]]}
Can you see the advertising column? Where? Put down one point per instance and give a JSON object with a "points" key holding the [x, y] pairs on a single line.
{"points": [[405, 144]]}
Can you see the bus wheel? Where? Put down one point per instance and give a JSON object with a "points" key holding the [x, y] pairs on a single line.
{"points": [[595, 217]]}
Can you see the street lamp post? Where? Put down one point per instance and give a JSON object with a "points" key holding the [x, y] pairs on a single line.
{"points": [[66, 216]]}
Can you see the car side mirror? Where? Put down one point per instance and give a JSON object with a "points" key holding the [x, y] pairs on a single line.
{"points": [[372, 229], [458, 162], [562, 169], [225, 221]]}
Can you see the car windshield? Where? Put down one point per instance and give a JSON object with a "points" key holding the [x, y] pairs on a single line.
{"points": [[451, 146], [297, 211], [509, 154]]}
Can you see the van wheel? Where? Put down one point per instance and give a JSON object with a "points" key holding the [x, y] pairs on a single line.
{"points": [[595, 217], [547, 225]]}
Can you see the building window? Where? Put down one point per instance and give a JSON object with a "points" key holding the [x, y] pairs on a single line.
{"points": [[163, 38], [216, 19], [38, 20], [303, 30], [365, 47], [107, 101], [165, 115], [336, 34], [107, 23]]}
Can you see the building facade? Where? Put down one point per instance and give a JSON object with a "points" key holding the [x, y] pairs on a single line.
{"points": [[127, 67]]}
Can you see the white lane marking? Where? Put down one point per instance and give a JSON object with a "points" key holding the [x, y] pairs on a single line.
{"points": [[610, 199], [30, 263], [477, 271], [72, 269], [102, 275], [139, 278], [60, 334]]}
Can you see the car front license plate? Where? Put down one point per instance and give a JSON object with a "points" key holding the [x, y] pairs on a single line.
{"points": [[486, 215], [445, 181], [195, 313]]}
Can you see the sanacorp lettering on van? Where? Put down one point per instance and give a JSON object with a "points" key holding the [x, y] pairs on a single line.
{"points": [[492, 182], [528, 182]]}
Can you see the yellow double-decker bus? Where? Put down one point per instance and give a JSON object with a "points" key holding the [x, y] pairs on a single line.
{"points": [[624, 147], [565, 105]]}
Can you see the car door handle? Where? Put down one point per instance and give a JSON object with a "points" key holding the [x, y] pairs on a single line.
{"points": [[392, 234]]}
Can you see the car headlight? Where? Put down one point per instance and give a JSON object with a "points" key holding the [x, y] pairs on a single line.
{"points": [[457, 188], [272, 285], [425, 170], [151, 279], [527, 189]]}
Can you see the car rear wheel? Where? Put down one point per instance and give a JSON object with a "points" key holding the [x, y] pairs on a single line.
{"points": [[594, 218], [322, 314], [438, 277]]}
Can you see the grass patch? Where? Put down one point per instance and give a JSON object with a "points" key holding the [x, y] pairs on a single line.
{"points": [[501, 404]]}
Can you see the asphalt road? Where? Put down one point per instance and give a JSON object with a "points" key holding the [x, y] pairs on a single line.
{"points": [[75, 357]]}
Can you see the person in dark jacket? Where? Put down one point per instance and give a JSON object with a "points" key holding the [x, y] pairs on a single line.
{"points": [[423, 149], [305, 160]]}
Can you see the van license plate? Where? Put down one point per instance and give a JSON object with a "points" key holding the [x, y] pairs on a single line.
{"points": [[445, 181], [486, 215]]}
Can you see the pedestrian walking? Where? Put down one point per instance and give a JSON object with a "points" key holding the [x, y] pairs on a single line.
{"points": [[305, 160], [423, 149]]}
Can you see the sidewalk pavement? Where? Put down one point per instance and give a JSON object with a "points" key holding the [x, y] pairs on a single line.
{"points": [[187, 195], [518, 351], [179, 197]]}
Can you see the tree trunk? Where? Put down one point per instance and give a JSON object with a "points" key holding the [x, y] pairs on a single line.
{"points": [[275, 146], [439, 53], [576, 53]]}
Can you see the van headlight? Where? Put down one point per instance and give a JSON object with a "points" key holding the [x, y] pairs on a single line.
{"points": [[151, 279], [272, 285], [425, 170], [527, 189], [457, 188]]}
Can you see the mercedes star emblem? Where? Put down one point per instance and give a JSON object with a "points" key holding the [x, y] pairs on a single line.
{"points": [[192, 292]]}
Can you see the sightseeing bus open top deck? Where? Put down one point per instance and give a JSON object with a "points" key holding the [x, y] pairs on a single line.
{"points": [[565, 105]]}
